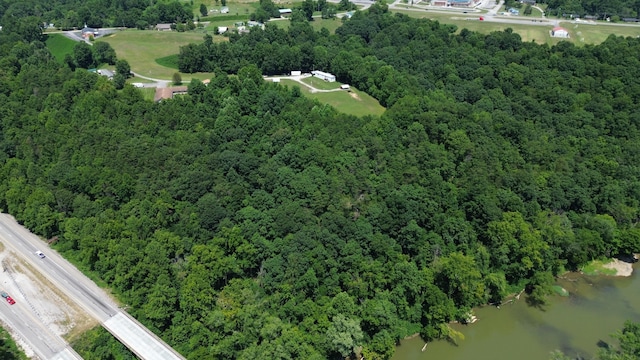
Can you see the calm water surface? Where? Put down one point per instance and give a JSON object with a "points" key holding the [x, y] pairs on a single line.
{"points": [[597, 307]]}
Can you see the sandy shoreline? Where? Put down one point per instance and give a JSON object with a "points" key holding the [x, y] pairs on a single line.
{"points": [[622, 268]]}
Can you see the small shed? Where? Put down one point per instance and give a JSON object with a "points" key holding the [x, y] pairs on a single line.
{"points": [[284, 12], [559, 32], [106, 73], [224, 10], [296, 73], [345, 87], [163, 27], [276, 80], [222, 29]]}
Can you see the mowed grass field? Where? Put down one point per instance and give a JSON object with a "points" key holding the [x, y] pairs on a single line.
{"points": [[356, 102], [580, 33], [595, 34], [321, 84], [59, 45], [141, 48]]}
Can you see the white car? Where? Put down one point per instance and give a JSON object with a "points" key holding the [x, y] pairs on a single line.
{"points": [[40, 254]]}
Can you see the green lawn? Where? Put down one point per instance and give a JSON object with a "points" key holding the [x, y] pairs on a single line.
{"points": [[596, 267], [356, 102], [236, 7], [535, 13], [143, 49], [580, 33], [148, 93], [597, 33], [170, 61], [321, 84], [59, 46]]}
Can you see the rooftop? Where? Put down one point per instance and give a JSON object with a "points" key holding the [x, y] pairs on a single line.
{"points": [[169, 92]]}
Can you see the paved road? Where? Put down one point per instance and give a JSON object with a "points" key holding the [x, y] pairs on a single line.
{"points": [[44, 342], [83, 291]]}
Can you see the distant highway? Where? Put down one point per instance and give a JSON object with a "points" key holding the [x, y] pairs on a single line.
{"points": [[82, 291]]}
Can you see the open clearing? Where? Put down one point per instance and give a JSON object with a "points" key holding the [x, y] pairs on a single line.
{"points": [[59, 45], [141, 48], [321, 84], [352, 102]]}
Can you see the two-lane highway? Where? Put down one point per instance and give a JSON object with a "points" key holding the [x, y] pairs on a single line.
{"points": [[84, 292]]}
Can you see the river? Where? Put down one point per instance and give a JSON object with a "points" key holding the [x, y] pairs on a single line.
{"points": [[596, 308]]}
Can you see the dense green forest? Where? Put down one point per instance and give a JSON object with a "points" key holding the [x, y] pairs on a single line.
{"points": [[245, 221], [69, 14]]}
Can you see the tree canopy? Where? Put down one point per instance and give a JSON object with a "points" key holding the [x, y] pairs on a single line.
{"points": [[243, 220]]}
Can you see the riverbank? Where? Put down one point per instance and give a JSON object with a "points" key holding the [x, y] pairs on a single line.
{"points": [[622, 268], [573, 323]]}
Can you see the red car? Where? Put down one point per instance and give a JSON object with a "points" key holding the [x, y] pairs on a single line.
{"points": [[10, 300]]}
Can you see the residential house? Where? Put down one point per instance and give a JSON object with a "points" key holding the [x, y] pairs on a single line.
{"points": [[169, 92], [163, 27], [106, 73]]}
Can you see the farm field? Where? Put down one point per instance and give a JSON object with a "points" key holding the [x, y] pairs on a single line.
{"points": [[141, 48], [355, 102]]}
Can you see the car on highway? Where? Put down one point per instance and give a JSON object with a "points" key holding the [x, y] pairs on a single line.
{"points": [[9, 298], [40, 254]]}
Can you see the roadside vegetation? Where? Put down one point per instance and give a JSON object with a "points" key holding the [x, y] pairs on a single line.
{"points": [[8, 348]]}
